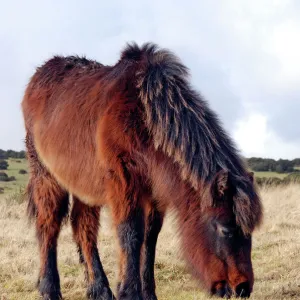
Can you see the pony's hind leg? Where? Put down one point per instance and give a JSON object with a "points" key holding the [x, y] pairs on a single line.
{"points": [[85, 225], [153, 224], [130, 230], [48, 204]]}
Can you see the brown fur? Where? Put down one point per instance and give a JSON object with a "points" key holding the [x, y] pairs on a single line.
{"points": [[124, 135], [85, 225]]}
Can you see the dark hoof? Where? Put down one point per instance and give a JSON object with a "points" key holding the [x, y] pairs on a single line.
{"points": [[149, 295], [243, 290], [52, 296], [100, 292], [222, 292], [129, 295], [48, 289]]}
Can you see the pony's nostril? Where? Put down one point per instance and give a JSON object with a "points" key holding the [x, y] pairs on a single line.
{"points": [[243, 290]]}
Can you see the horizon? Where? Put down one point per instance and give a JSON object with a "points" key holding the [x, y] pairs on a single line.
{"points": [[248, 157], [243, 58]]}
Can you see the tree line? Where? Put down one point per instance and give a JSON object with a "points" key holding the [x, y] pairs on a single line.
{"points": [[5, 154], [259, 164], [256, 164]]}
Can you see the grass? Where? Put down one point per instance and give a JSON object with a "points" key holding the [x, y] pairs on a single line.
{"points": [[271, 174], [15, 165], [276, 253]]}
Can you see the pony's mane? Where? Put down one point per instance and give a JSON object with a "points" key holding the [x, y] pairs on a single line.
{"points": [[185, 128], [179, 119]]}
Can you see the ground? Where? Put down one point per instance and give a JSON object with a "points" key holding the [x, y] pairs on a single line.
{"points": [[271, 174], [276, 251]]}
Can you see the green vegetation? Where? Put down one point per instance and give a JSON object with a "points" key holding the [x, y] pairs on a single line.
{"points": [[270, 174], [5, 177], [293, 178], [3, 165], [13, 172], [11, 154], [22, 171], [259, 164]]}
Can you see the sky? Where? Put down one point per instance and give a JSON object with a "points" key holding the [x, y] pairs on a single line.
{"points": [[243, 56]]}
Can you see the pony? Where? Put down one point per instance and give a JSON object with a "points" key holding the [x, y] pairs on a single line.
{"points": [[139, 139]]}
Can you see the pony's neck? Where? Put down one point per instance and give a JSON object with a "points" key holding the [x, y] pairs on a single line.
{"points": [[169, 187]]}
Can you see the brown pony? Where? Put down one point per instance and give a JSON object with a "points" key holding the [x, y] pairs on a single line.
{"points": [[136, 137]]}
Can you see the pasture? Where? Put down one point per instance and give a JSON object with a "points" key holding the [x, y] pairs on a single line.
{"points": [[271, 174], [276, 250]]}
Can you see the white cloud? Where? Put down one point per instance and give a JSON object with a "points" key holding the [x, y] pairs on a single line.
{"points": [[255, 137], [284, 45], [243, 56], [251, 134]]}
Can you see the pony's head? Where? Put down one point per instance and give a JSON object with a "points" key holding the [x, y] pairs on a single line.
{"points": [[218, 247]]}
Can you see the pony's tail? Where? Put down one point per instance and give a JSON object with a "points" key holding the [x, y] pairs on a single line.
{"points": [[31, 206]]}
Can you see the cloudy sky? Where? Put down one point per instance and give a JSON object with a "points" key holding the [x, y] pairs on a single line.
{"points": [[244, 57]]}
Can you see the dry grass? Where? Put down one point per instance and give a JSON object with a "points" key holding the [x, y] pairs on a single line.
{"points": [[271, 174], [276, 254]]}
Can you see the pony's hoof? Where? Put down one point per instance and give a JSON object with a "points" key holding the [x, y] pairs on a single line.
{"points": [[129, 295], [52, 296], [100, 292], [223, 293], [49, 290], [149, 295]]}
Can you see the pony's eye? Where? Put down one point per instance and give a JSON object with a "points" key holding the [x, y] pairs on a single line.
{"points": [[230, 235], [226, 232]]}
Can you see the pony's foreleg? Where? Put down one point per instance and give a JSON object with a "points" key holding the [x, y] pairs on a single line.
{"points": [[153, 221], [130, 231], [50, 203], [85, 225]]}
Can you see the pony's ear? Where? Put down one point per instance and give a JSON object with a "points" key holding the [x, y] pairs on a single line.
{"points": [[247, 208], [221, 183], [251, 176]]}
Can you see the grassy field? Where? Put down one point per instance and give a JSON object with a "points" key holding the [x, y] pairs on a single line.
{"points": [[276, 251], [271, 174], [15, 165]]}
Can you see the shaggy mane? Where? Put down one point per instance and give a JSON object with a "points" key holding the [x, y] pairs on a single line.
{"points": [[185, 128]]}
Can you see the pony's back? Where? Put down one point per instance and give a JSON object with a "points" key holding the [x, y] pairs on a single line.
{"points": [[62, 108]]}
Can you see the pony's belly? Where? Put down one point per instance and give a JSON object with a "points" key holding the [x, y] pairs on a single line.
{"points": [[80, 175], [87, 186]]}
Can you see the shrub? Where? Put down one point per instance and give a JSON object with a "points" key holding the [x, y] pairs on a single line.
{"points": [[12, 178], [22, 171], [269, 181], [292, 178], [4, 177], [3, 165], [274, 181]]}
